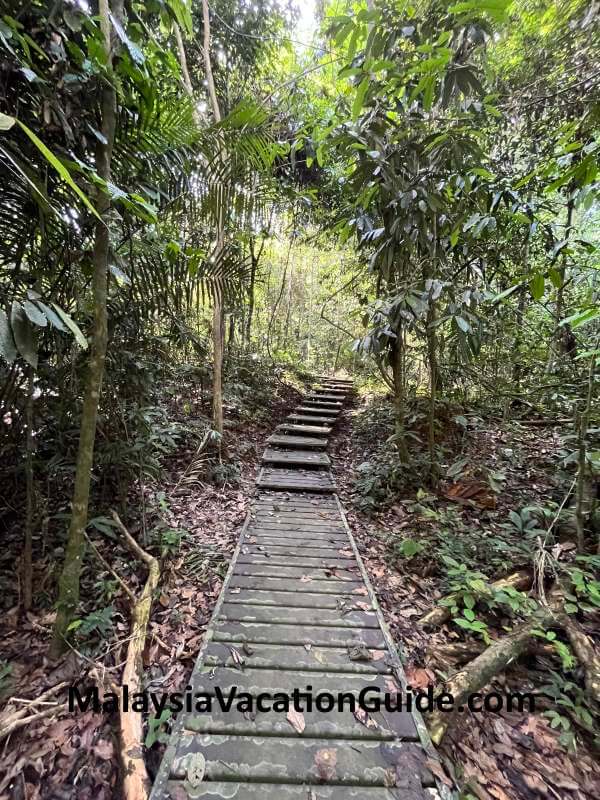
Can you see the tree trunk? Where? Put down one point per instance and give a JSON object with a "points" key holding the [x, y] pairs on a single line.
{"points": [[581, 512], [217, 406], [434, 469], [68, 595], [554, 349], [30, 489], [397, 358], [253, 266]]}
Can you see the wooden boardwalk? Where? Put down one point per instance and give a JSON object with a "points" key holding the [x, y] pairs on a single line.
{"points": [[297, 610]]}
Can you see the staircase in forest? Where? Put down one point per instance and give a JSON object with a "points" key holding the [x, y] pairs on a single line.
{"points": [[297, 610]]}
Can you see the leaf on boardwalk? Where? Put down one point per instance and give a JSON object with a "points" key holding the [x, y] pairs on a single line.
{"points": [[238, 659], [195, 768], [346, 553], [296, 720], [364, 606], [361, 590], [361, 715], [305, 579], [377, 655], [237, 590], [326, 762], [360, 652]]}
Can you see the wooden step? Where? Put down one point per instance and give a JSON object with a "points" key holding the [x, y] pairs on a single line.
{"points": [[324, 405], [325, 412], [310, 420], [309, 430], [297, 441], [302, 458], [318, 396], [295, 480]]}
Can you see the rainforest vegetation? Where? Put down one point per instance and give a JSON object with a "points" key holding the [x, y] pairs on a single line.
{"points": [[203, 205]]}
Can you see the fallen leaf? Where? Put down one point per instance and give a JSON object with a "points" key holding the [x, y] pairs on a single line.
{"points": [[305, 579], [326, 762], [238, 660], [296, 720], [104, 749], [361, 590], [195, 768], [359, 652], [361, 715], [438, 771]]}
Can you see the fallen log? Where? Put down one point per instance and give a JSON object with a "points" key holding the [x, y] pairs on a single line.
{"points": [[494, 659], [587, 655], [136, 784], [440, 614]]}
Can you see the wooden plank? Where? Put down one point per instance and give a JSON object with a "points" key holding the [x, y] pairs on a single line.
{"points": [[318, 396], [303, 458], [214, 790], [398, 725], [320, 411], [338, 575], [281, 440], [237, 612], [312, 430], [314, 635], [310, 420], [299, 583], [292, 759], [314, 400], [295, 480]]}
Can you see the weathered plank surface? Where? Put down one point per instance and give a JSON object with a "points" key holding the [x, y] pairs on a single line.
{"points": [[311, 420], [299, 480], [319, 410], [296, 610], [301, 442], [308, 430], [301, 458]]}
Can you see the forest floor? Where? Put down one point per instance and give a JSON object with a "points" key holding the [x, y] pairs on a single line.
{"points": [[73, 755], [503, 756]]}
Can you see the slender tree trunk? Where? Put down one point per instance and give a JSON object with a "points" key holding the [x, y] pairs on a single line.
{"points": [[253, 266], [68, 595], [582, 471], [218, 298], [30, 489], [554, 349], [397, 359]]}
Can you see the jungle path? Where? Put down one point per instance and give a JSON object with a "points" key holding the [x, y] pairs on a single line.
{"points": [[296, 611]]}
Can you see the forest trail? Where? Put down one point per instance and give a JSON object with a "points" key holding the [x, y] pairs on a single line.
{"points": [[297, 610]]}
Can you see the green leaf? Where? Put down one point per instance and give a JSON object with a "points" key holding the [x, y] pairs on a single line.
{"points": [[360, 97], [463, 324], [34, 314], [72, 326], [59, 167], [581, 318], [537, 285], [134, 50], [25, 334], [52, 316], [8, 351], [6, 122], [469, 614]]}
